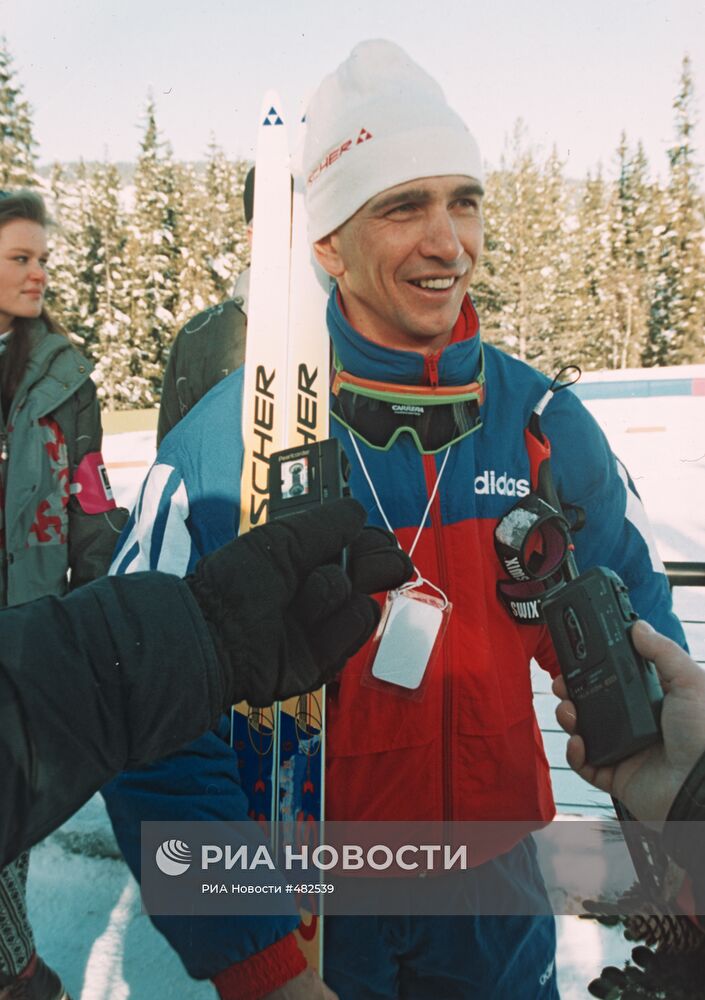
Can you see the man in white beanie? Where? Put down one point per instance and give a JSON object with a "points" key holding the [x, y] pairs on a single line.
{"points": [[434, 426], [394, 197]]}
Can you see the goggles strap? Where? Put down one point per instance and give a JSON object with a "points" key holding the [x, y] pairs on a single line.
{"points": [[524, 600], [413, 584]]}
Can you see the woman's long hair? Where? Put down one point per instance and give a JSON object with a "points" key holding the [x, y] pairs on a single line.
{"points": [[28, 206]]}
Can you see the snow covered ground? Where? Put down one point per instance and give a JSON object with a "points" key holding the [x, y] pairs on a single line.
{"points": [[661, 440], [84, 904]]}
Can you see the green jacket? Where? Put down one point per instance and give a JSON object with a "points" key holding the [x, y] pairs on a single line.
{"points": [[47, 542], [205, 350]]}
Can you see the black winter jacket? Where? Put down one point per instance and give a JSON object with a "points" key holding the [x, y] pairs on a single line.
{"points": [[86, 690], [205, 350]]}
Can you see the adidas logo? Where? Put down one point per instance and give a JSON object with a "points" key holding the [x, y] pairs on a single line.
{"points": [[489, 483]]}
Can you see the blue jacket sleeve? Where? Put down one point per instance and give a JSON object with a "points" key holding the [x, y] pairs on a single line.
{"points": [[156, 535], [617, 533]]}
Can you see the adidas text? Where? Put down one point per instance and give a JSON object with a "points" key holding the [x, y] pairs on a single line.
{"points": [[489, 483]]}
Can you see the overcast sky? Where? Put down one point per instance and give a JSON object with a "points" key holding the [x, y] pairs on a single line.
{"points": [[577, 72]]}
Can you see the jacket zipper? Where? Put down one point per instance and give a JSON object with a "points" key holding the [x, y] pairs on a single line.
{"points": [[430, 369], [15, 408], [431, 475]]}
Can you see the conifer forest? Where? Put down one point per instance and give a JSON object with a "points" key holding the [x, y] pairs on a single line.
{"points": [[607, 270]]}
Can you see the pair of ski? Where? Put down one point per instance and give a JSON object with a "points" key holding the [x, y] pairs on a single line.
{"points": [[285, 403]]}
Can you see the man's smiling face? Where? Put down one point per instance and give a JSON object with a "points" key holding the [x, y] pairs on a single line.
{"points": [[405, 260]]}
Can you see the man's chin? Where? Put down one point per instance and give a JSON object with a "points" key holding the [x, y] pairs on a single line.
{"points": [[434, 319], [425, 340], [434, 328]]}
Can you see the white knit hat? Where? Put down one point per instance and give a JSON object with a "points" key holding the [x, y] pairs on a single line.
{"points": [[377, 121]]}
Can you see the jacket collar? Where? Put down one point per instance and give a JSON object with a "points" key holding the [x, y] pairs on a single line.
{"points": [[55, 370], [458, 362]]}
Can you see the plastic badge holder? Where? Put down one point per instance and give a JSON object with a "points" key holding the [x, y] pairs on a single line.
{"points": [[407, 640]]}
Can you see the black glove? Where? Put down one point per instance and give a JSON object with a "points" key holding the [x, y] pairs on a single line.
{"points": [[284, 618]]}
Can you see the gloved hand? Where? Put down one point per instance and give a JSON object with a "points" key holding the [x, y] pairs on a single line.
{"points": [[283, 616]]}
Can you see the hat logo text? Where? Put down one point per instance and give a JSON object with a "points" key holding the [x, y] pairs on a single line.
{"points": [[336, 153]]}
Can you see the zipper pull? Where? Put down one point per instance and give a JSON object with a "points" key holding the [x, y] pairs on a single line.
{"points": [[431, 368]]}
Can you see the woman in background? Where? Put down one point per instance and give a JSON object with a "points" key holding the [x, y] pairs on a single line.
{"points": [[58, 520]]}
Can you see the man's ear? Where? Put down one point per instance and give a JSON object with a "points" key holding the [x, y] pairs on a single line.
{"points": [[327, 254]]}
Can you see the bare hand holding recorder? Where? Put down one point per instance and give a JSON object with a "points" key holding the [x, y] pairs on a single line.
{"points": [[647, 782]]}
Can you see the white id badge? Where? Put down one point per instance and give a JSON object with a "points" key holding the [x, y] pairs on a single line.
{"points": [[412, 626]]}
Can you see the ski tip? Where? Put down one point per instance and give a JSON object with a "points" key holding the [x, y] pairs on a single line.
{"points": [[271, 113]]}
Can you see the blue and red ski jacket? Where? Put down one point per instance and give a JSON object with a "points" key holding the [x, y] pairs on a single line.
{"points": [[470, 748]]}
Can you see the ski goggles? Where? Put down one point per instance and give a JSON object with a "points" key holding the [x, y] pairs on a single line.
{"points": [[532, 540], [434, 416]]}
